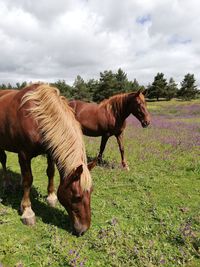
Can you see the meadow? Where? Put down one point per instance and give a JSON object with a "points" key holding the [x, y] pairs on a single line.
{"points": [[149, 216]]}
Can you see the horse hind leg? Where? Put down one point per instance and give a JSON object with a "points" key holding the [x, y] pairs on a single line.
{"points": [[52, 198], [7, 184], [28, 216]]}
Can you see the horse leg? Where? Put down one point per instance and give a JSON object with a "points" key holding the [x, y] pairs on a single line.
{"points": [[28, 216], [121, 149], [6, 179], [104, 140], [52, 198]]}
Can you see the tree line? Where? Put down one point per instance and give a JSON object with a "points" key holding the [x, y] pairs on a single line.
{"points": [[111, 83]]}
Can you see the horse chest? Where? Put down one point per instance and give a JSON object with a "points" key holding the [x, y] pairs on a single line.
{"points": [[113, 126]]}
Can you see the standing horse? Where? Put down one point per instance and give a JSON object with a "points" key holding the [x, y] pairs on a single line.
{"points": [[38, 120], [109, 118]]}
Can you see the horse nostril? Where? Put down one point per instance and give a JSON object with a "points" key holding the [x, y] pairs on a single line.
{"points": [[78, 234], [145, 124], [79, 231]]}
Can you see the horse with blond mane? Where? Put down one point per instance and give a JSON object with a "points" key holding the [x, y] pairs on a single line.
{"points": [[109, 118], [37, 120]]}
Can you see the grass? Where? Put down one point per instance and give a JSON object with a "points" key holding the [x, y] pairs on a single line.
{"points": [[149, 216]]}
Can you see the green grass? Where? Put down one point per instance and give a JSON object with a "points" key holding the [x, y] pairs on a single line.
{"points": [[149, 216]]}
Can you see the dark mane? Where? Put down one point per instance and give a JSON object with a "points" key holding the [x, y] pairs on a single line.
{"points": [[115, 103]]}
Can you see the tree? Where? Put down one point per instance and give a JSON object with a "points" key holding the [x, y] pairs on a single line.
{"points": [[3, 86], [188, 88], [92, 86], [133, 86], [9, 86], [171, 89], [21, 85], [158, 87], [80, 90], [107, 86], [64, 88], [121, 81]]}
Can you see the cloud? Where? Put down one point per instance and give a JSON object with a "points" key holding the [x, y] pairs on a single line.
{"points": [[52, 40], [143, 19]]}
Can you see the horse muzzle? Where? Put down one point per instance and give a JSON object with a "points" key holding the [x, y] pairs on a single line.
{"points": [[79, 230], [145, 124]]}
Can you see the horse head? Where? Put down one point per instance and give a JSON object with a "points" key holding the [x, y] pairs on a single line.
{"points": [[139, 108], [75, 197]]}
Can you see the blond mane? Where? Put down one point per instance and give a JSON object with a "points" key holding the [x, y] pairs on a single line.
{"points": [[61, 132]]}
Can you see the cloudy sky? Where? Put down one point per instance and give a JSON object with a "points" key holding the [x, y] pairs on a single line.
{"points": [[48, 40]]}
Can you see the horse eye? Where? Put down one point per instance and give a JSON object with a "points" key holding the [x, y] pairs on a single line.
{"points": [[76, 199]]}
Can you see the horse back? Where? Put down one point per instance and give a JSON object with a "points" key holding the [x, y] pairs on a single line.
{"points": [[95, 119], [18, 131], [87, 115], [6, 91]]}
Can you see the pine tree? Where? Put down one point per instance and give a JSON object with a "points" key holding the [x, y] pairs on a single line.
{"points": [[106, 87], [3, 86], [171, 89], [188, 88], [134, 86], [80, 90], [64, 88], [121, 81], [21, 85], [9, 86], [92, 86], [158, 87]]}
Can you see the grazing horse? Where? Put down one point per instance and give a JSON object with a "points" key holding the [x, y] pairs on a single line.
{"points": [[6, 91], [109, 118], [37, 120]]}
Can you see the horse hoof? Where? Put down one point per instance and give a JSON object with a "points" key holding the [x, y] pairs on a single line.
{"points": [[99, 160], [52, 200], [126, 168], [28, 217]]}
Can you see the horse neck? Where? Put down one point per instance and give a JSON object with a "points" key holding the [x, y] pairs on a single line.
{"points": [[122, 110]]}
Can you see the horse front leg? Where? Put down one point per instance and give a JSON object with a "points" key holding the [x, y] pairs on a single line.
{"points": [[121, 149], [52, 198], [104, 140], [6, 179], [28, 216]]}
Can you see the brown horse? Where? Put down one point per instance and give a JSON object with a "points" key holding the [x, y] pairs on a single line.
{"points": [[6, 91], [109, 118], [33, 122]]}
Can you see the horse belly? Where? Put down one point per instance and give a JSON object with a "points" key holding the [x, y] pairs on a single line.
{"points": [[91, 132], [90, 127], [7, 145]]}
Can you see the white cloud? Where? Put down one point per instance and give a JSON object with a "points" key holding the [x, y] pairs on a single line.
{"points": [[50, 40]]}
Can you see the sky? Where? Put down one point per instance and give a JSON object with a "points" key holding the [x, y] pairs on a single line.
{"points": [[48, 40]]}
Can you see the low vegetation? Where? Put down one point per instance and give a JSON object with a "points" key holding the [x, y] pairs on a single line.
{"points": [[149, 216]]}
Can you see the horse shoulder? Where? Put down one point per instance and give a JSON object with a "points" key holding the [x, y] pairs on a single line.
{"points": [[106, 120]]}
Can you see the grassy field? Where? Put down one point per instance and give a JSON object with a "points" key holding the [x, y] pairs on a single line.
{"points": [[149, 216]]}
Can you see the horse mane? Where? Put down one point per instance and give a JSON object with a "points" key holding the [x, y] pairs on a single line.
{"points": [[61, 132], [114, 103]]}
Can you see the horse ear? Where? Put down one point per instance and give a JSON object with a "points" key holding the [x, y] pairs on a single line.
{"points": [[145, 92], [75, 174], [78, 170], [92, 164], [137, 93]]}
